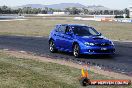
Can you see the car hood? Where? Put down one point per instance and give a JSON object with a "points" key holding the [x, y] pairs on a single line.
{"points": [[93, 39]]}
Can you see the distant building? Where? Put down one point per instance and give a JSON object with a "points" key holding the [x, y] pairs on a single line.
{"points": [[49, 12], [60, 13], [130, 9]]}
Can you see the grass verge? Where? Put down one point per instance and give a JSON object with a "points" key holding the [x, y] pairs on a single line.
{"points": [[28, 73]]}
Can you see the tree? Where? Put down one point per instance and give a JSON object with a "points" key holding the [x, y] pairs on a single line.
{"points": [[51, 10], [67, 10], [101, 12], [75, 11], [19, 11], [5, 10], [0, 10], [111, 12], [126, 11], [116, 12], [106, 12], [85, 11], [43, 11]]}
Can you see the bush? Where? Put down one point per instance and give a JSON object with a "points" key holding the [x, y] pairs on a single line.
{"points": [[119, 16], [127, 17]]}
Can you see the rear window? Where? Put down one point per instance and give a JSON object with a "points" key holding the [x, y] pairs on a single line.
{"points": [[61, 29]]}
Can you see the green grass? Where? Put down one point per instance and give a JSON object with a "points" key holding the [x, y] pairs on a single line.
{"points": [[43, 26], [27, 73]]}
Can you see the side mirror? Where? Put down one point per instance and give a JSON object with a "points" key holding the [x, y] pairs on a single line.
{"points": [[100, 34], [69, 33]]}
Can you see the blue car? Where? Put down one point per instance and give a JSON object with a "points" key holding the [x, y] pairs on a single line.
{"points": [[79, 39]]}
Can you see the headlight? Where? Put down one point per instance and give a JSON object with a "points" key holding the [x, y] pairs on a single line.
{"points": [[89, 44]]}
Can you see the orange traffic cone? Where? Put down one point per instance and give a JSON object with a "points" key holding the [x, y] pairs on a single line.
{"points": [[84, 78]]}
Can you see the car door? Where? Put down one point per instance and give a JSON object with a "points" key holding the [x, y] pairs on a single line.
{"points": [[56, 36], [60, 37], [68, 37]]}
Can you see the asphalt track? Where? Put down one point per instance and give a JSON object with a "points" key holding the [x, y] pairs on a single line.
{"points": [[120, 62]]}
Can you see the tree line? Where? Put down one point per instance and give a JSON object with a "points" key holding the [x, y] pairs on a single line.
{"points": [[72, 11]]}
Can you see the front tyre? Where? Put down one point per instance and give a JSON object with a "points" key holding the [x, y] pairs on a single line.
{"points": [[76, 50], [52, 46]]}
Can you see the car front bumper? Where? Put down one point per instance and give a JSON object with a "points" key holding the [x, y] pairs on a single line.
{"points": [[97, 50]]}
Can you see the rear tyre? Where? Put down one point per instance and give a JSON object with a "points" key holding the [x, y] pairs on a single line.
{"points": [[76, 50], [52, 46]]}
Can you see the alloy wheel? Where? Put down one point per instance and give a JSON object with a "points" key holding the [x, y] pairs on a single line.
{"points": [[76, 50], [52, 46]]}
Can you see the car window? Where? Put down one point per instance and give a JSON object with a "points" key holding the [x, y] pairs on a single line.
{"points": [[84, 31], [61, 29], [56, 28], [92, 31], [67, 29]]}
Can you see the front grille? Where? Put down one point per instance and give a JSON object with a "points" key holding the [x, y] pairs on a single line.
{"points": [[102, 44], [104, 51]]}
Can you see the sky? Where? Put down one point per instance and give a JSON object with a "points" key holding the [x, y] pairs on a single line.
{"points": [[113, 4]]}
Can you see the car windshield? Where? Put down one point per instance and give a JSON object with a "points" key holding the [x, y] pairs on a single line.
{"points": [[84, 31]]}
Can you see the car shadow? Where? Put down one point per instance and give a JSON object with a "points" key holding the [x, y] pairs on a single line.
{"points": [[83, 56], [98, 56]]}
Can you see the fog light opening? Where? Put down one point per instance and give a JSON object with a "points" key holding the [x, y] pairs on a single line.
{"points": [[91, 51]]}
